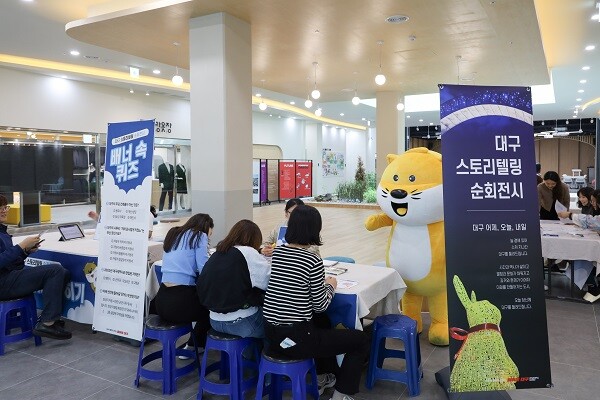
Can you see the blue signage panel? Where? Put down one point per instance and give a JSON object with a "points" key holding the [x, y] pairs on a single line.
{"points": [[496, 302]]}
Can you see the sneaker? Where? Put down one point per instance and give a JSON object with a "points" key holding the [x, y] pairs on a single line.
{"points": [[340, 396], [325, 381], [593, 294], [188, 347]]}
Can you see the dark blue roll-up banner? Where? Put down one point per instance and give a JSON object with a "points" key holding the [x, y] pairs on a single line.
{"points": [[496, 304]]}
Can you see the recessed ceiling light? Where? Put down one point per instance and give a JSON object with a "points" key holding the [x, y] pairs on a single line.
{"points": [[580, 91], [578, 99], [74, 52], [147, 93], [420, 120], [408, 116], [590, 47], [397, 19], [292, 102], [595, 17], [341, 114], [585, 68], [156, 71], [63, 76], [131, 91], [258, 95], [364, 119], [431, 123], [583, 81]]}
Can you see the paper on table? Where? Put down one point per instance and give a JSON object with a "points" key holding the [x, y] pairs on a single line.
{"points": [[329, 263], [345, 284], [559, 207]]}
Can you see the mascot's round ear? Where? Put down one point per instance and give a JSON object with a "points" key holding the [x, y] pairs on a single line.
{"points": [[425, 150], [391, 158]]}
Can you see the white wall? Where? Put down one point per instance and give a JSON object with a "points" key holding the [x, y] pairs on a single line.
{"points": [[287, 133], [37, 101]]}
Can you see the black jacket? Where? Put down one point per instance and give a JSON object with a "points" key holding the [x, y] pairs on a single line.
{"points": [[224, 284]]}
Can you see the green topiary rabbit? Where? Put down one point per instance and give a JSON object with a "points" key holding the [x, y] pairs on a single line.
{"points": [[482, 363]]}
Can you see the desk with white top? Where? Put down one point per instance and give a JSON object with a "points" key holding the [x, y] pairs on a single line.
{"points": [[80, 257], [378, 292], [569, 242]]}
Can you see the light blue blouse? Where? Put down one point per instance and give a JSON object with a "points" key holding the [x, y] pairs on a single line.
{"points": [[183, 264]]}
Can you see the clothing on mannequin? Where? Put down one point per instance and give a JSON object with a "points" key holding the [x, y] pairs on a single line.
{"points": [[180, 172], [166, 176]]}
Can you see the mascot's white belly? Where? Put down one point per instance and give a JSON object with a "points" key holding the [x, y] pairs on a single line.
{"points": [[410, 251]]}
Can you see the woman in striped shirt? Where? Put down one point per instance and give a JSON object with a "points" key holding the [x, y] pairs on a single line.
{"points": [[297, 294]]}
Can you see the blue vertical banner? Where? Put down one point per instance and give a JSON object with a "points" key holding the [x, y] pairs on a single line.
{"points": [[496, 302], [123, 231]]}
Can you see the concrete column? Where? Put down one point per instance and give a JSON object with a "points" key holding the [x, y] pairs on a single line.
{"points": [[314, 151], [221, 119], [390, 128]]}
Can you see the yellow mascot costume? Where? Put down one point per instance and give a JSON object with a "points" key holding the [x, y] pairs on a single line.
{"points": [[410, 196]]}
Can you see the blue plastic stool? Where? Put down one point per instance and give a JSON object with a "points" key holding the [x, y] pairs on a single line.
{"points": [[231, 365], [296, 370], [18, 313], [340, 259], [398, 327], [167, 334]]}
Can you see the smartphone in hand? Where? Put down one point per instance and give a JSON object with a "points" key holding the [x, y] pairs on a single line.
{"points": [[38, 243]]}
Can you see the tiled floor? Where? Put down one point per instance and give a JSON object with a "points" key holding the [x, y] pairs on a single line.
{"points": [[94, 366]]}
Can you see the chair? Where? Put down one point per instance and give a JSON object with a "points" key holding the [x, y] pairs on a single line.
{"points": [[580, 181], [18, 313], [340, 259], [231, 365], [167, 334], [403, 328], [568, 180], [295, 370]]}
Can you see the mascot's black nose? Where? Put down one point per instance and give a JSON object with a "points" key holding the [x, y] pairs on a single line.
{"points": [[399, 193]]}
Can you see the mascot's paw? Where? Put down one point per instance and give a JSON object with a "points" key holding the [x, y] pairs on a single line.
{"points": [[371, 223], [438, 334]]}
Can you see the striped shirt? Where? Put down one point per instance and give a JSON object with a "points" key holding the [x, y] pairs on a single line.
{"points": [[297, 287]]}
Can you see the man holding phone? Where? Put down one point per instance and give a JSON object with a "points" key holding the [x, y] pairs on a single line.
{"points": [[17, 281]]}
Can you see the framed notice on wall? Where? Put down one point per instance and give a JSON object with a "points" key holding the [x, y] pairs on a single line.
{"points": [[303, 178], [287, 171]]}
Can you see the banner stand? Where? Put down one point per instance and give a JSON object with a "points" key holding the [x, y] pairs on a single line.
{"points": [[442, 377]]}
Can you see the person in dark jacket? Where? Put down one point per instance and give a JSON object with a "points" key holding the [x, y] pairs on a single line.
{"points": [[584, 200], [233, 282], [17, 281]]}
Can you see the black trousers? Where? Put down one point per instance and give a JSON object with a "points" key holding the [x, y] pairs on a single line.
{"points": [[161, 201], [323, 344], [50, 278], [180, 304]]}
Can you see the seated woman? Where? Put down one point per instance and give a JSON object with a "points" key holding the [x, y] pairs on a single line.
{"points": [[595, 201], [584, 200], [269, 243], [186, 252], [233, 282], [549, 191], [297, 291]]}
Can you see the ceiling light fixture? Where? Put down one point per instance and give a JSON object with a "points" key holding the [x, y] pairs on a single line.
{"points": [[156, 71], [585, 68], [380, 78], [177, 79], [147, 93], [590, 47], [308, 103], [262, 105], [131, 91], [315, 93], [583, 81], [318, 112], [355, 99], [400, 106], [74, 52]]}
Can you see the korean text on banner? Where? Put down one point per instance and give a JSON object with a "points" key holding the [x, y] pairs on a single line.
{"points": [[120, 286], [496, 304]]}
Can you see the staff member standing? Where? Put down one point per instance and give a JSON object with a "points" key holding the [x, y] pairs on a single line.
{"points": [[297, 291], [549, 191], [17, 281]]}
